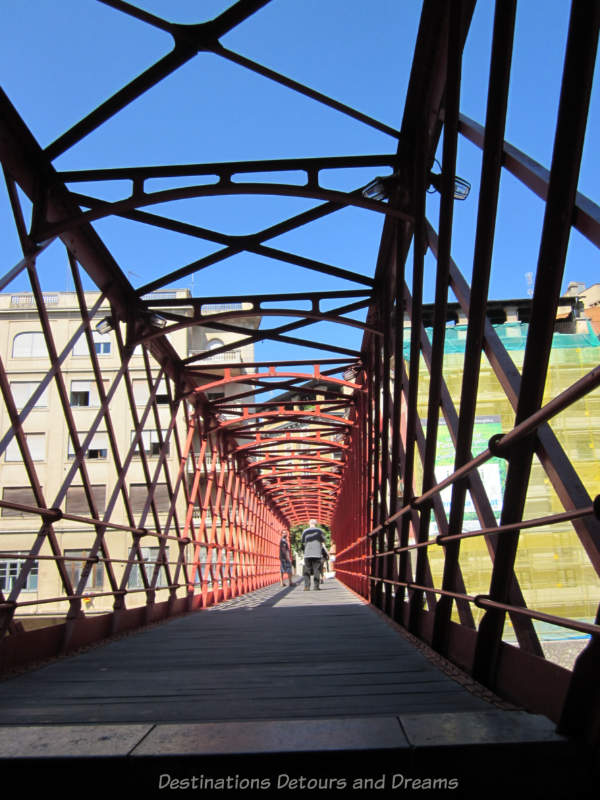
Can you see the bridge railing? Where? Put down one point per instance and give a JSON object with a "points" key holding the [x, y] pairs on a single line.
{"points": [[120, 502], [477, 451]]}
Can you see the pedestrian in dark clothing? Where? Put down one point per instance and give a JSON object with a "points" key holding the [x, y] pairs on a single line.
{"points": [[313, 544], [324, 563], [285, 558]]}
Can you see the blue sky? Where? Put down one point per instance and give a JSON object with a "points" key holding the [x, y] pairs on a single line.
{"points": [[59, 60]]}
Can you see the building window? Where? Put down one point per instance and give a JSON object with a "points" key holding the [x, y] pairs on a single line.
{"points": [[30, 344], [97, 448], [75, 568], [36, 444], [150, 442], [79, 398], [21, 495], [77, 502], [102, 348], [84, 393], [149, 556], [102, 344], [141, 393], [22, 391], [162, 393], [10, 569], [138, 495]]}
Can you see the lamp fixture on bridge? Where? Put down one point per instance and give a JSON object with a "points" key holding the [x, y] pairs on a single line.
{"points": [[105, 325], [381, 187], [461, 186], [351, 372], [157, 320]]}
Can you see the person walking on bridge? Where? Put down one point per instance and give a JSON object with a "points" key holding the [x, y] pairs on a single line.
{"points": [[285, 558], [313, 544]]}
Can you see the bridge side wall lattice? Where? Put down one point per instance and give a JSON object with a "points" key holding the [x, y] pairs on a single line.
{"points": [[460, 538]]}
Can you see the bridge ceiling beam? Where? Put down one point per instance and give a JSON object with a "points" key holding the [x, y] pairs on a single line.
{"points": [[189, 40], [250, 244], [27, 165], [101, 209]]}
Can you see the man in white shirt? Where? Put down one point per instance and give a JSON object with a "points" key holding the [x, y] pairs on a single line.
{"points": [[313, 544]]}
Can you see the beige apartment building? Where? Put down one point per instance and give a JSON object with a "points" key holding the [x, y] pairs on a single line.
{"points": [[589, 297], [24, 355]]}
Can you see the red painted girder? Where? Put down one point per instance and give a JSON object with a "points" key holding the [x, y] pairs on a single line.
{"points": [[258, 443], [273, 373], [293, 457], [316, 414]]}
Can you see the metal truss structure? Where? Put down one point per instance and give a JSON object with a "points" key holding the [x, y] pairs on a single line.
{"points": [[337, 438]]}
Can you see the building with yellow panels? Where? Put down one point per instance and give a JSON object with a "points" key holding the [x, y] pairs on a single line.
{"points": [[553, 570]]}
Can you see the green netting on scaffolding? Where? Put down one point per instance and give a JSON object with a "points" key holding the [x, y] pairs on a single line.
{"points": [[513, 336]]}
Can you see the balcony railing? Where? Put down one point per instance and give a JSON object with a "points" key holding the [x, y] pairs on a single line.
{"points": [[28, 299], [235, 356]]}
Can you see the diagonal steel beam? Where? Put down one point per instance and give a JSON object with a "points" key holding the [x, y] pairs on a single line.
{"points": [[189, 40]]}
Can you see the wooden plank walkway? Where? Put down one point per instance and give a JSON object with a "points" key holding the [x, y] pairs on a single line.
{"points": [[289, 688], [279, 653]]}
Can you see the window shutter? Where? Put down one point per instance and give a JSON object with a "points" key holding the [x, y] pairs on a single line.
{"points": [[36, 442], [22, 391], [29, 344], [38, 346], [89, 387], [80, 348], [17, 494], [94, 395], [37, 445], [12, 452], [141, 393], [137, 497], [138, 494], [162, 393], [77, 503], [99, 442], [142, 442]]}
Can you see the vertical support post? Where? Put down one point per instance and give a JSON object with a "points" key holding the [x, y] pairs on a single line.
{"points": [[452, 104], [578, 72], [488, 200]]}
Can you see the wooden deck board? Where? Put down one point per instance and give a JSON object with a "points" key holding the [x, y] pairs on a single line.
{"points": [[275, 654]]}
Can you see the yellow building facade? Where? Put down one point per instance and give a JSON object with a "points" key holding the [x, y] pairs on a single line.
{"points": [[553, 570]]}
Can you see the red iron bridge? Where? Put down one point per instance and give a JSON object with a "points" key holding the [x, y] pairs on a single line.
{"points": [[145, 632]]}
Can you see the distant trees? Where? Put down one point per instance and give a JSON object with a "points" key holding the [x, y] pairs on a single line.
{"points": [[296, 535]]}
